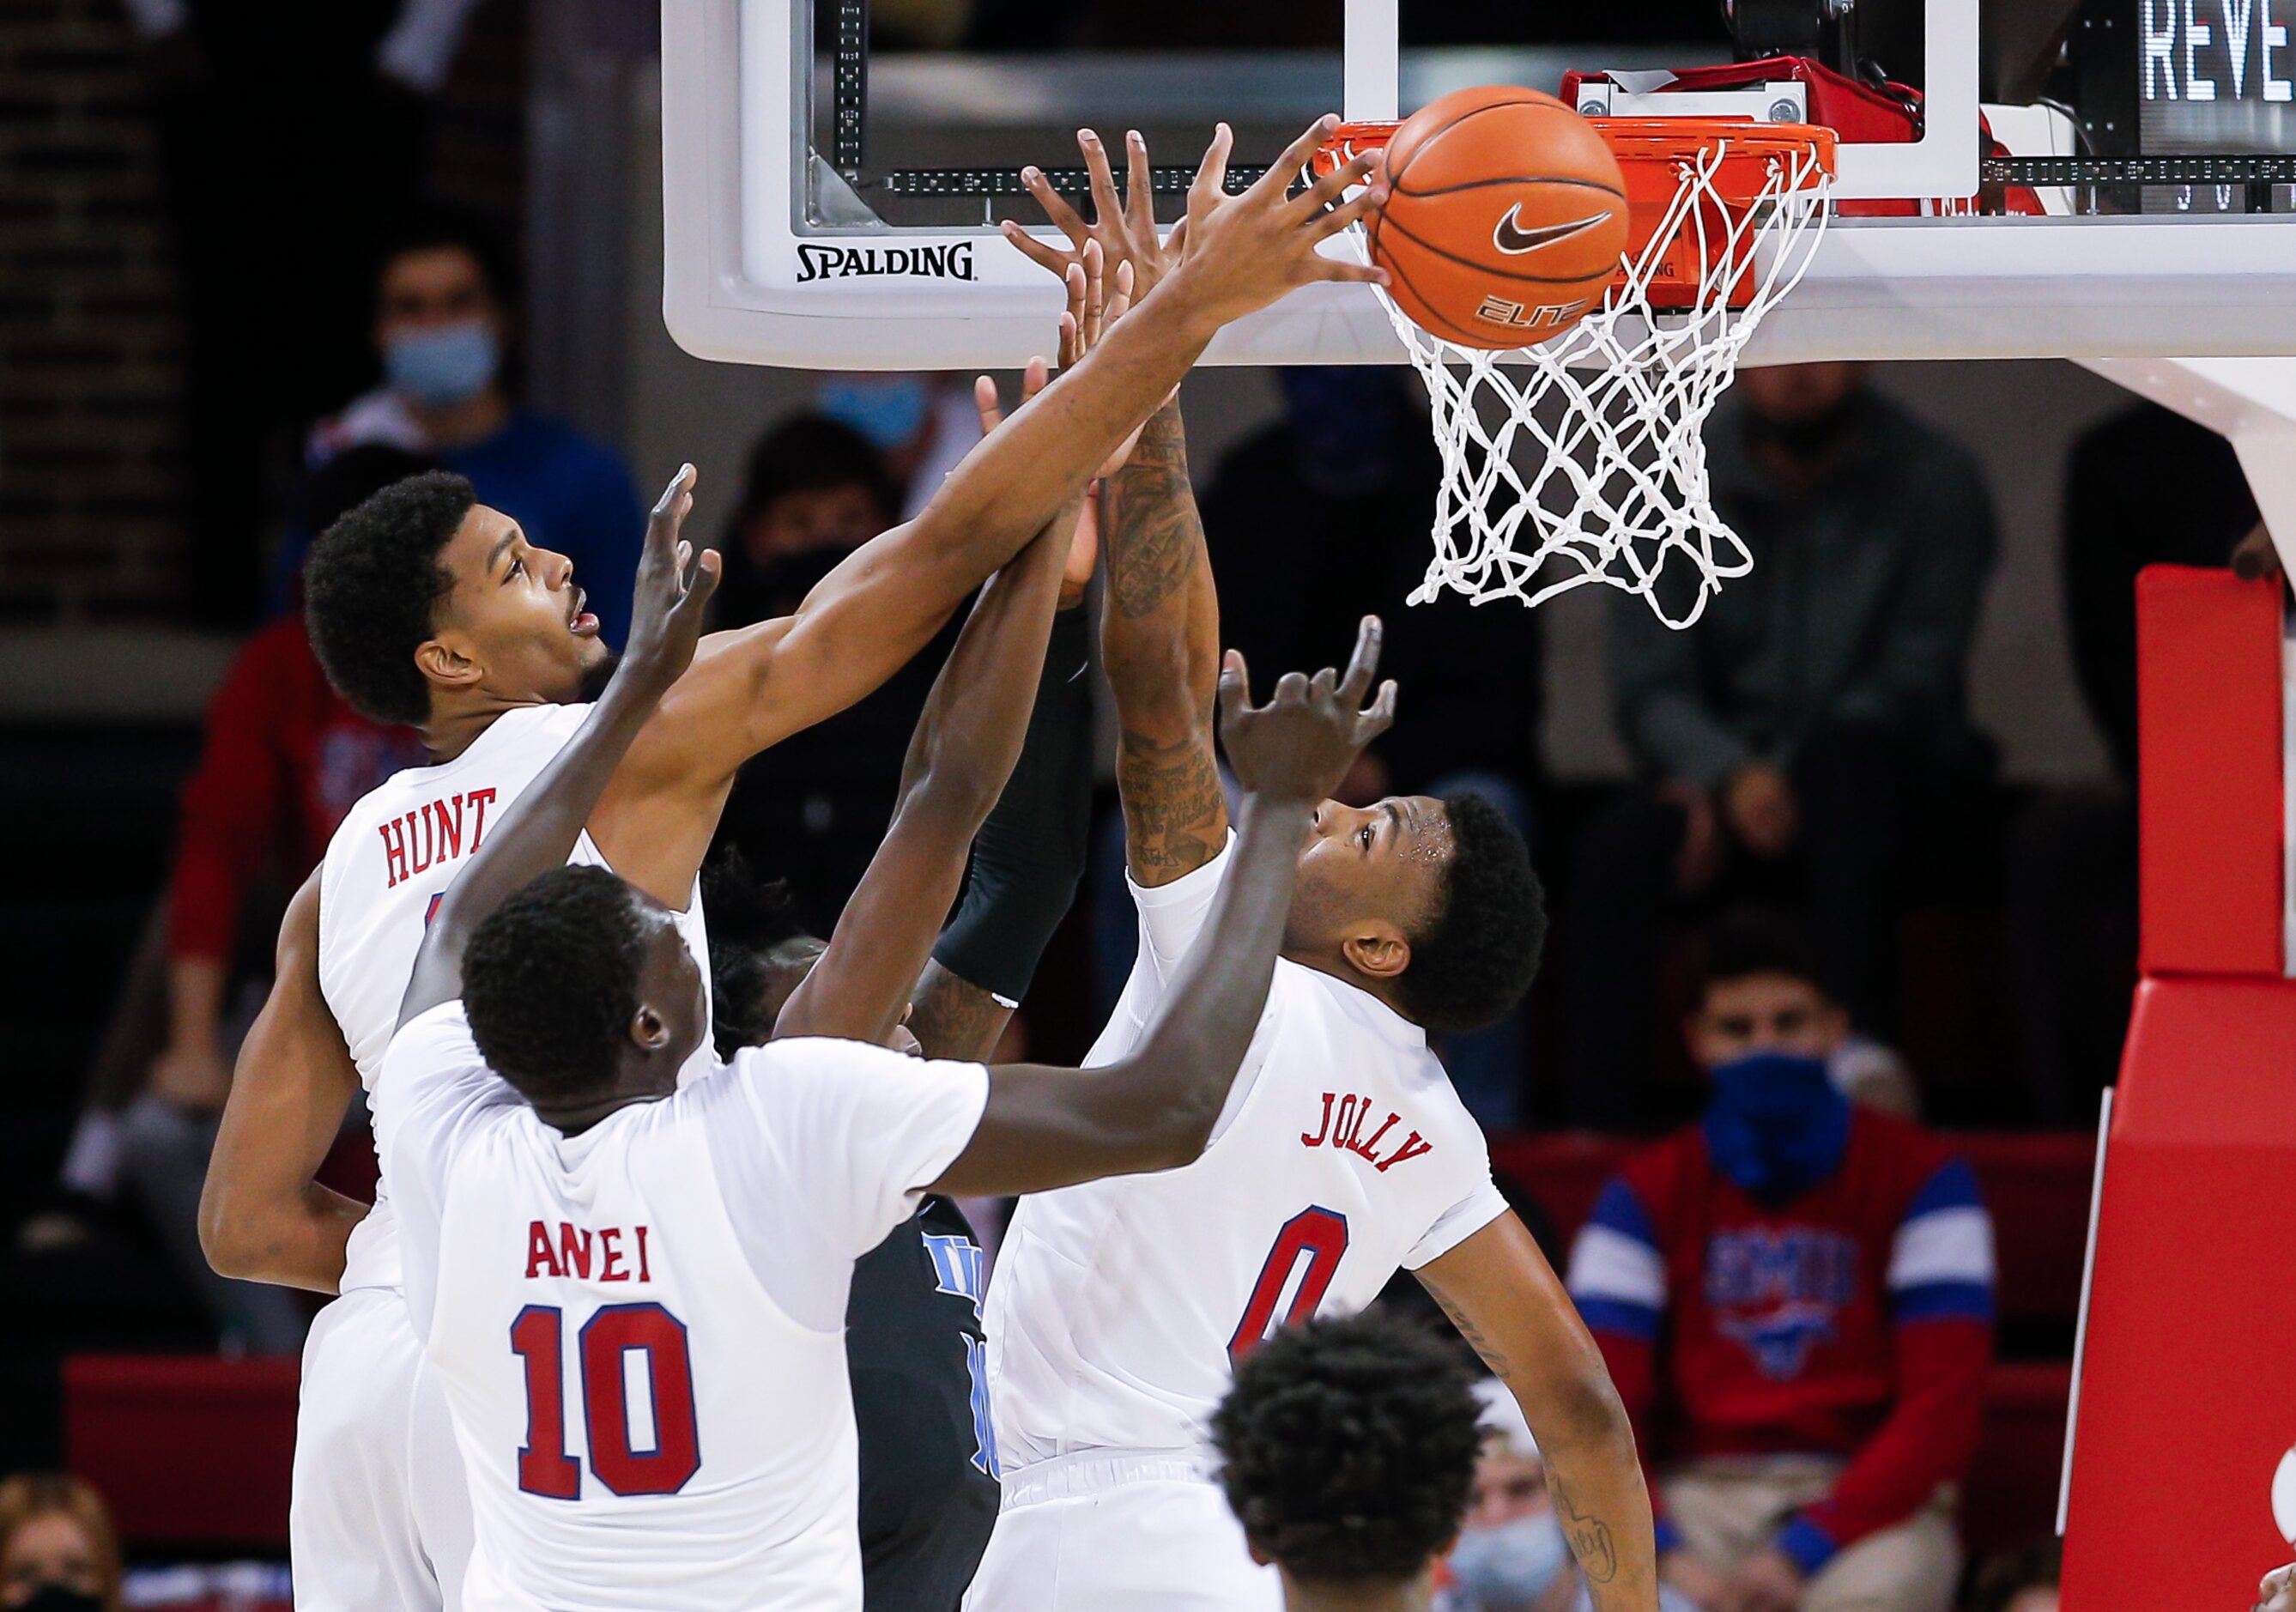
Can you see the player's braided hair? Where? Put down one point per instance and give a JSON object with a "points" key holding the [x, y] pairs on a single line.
{"points": [[550, 982], [1479, 956], [371, 586], [1348, 1449], [749, 916]]}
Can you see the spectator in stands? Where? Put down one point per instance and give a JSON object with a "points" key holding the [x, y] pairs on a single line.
{"points": [[1321, 519], [1810, 735], [1817, 1280], [283, 760], [1511, 1555], [58, 1552], [2023, 1580], [923, 424], [289, 136], [442, 327], [811, 811], [2145, 486]]}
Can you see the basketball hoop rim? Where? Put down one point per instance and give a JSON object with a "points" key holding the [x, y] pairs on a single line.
{"points": [[1743, 151]]}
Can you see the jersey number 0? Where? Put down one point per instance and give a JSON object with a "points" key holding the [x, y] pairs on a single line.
{"points": [[1318, 1236], [606, 1343]]}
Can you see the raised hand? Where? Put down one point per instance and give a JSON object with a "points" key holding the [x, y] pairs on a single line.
{"points": [[1124, 232], [673, 591], [1245, 252], [1301, 742]]}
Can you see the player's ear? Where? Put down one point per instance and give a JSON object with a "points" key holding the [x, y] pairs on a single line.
{"points": [[446, 665], [1377, 948], [648, 1029]]}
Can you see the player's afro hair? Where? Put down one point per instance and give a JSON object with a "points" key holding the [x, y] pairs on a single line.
{"points": [[372, 587], [550, 982], [1348, 1449], [749, 916], [1475, 960]]}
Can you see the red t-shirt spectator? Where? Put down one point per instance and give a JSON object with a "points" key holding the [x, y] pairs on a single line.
{"points": [[284, 759]]}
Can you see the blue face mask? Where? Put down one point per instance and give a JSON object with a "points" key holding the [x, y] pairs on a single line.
{"points": [[1775, 1124], [446, 365], [890, 410], [1508, 1566]]}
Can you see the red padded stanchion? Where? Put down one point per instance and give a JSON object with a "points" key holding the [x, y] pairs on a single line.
{"points": [[2184, 1402], [2208, 709]]}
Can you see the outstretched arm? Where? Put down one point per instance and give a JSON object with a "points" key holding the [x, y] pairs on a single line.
{"points": [[1160, 641], [1160, 637], [1500, 1292], [751, 690], [539, 831], [1028, 859], [262, 1216], [1153, 1110], [966, 742]]}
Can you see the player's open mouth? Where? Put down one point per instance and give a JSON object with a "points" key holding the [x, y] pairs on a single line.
{"points": [[580, 621]]}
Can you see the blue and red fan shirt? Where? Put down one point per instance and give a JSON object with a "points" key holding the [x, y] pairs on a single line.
{"points": [[1852, 1319]]}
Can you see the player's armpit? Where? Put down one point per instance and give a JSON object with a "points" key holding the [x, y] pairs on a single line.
{"points": [[1499, 1291], [262, 1216]]}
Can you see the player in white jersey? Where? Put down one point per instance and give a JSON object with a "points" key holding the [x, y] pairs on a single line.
{"points": [[1342, 1153], [633, 1292], [439, 613]]}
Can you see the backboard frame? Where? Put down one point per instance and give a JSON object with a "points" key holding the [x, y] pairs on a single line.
{"points": [[739, 284]]}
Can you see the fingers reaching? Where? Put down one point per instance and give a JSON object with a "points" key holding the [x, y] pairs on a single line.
{"points": [[1380, 717], [1212, 174], [1065, 218], [1107, 211], [678, 498], [1043, 257], [1370, 635], [1234, 687], [986, 404], [1286, 168], [1139, 188]]}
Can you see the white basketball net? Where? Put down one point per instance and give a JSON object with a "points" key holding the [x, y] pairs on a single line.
{"points": [[1582, 459]]}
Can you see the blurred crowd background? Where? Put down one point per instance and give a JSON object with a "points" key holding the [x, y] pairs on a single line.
{"points": [[257, 261]]}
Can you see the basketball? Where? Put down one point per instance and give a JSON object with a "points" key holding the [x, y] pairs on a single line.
{"points": [[1506, 218]]}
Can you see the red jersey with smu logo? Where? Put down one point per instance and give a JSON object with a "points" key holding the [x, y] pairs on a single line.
{"points": [[1343, 1153], [1854, 1319]]}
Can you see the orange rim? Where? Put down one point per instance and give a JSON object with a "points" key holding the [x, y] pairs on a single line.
{"points": [[1748, 148]]}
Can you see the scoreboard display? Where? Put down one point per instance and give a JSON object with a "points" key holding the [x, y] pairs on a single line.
{"points": [[2215, 76]]}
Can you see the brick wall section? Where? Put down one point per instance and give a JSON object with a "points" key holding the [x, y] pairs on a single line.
{"points": [[90, 466], [91, 470]]}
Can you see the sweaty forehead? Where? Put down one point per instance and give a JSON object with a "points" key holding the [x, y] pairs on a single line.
{"points": [[1423, 830]]}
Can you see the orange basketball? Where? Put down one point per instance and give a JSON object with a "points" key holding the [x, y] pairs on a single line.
{"points": [[1506, 218]]}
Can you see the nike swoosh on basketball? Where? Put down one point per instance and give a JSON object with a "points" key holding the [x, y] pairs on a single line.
{"points": [[1511, 239]]}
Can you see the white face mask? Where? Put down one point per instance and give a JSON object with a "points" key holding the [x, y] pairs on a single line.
{"points": [[1508, 1566]]}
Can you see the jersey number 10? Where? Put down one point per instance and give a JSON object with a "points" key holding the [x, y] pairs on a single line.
{"points": [[605, 1343]]}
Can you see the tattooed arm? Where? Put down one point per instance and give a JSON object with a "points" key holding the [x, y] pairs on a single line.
{"points": [[1159, 642], [1499, 1291]]}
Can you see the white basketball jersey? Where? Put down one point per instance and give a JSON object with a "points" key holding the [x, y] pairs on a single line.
{"points": [[640, 1328], [391, 859], [1343, 1153]]}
